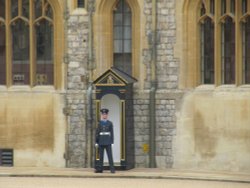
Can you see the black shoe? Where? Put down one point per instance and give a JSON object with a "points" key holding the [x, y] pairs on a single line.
{"points": [[98, 171]]}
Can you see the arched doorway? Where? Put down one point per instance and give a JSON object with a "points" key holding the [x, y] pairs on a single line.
{"points": [[112, 102]]}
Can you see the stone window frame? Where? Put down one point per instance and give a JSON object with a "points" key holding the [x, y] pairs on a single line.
{"points": [[58, 47], [103, 38], [191, 70]]}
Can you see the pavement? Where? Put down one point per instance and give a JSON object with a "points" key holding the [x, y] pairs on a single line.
{"points": [[137, 173]]}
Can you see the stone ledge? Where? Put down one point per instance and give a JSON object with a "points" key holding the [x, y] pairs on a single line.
{"points": [[137, 173]]}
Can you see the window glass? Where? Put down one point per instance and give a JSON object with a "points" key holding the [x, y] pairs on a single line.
{"points": [[232, 8], [228, 51], [127, 19], [38, 8], [2, 8], [21, 52], [122, 37], [127, 46], [2, 55], [119, 60], [119, 6], [118, 46], [244, 6], [127, 33], [14, 8], [212, 6], [118, 19], [207, 51], [44, 52], [80, 3], [223, 7], [25, 8], [118, 32], [48, 11], [246, 50]]}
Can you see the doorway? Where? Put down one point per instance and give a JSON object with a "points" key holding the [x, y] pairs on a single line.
{"points": [[112, 102]]}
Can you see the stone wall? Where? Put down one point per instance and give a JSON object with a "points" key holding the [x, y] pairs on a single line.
{"points": [[167, 96], [141, 128], [167, 64], [167, 80], [76, 89]]}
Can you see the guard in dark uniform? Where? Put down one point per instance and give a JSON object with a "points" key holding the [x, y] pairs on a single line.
{"points": [[105, 140]]}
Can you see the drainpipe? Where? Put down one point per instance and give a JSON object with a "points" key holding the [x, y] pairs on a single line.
{"points": [[90, 89], [66, 61], [152, 153]]}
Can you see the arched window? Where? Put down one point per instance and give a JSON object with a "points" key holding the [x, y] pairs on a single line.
{"points": [[44, 44], [222, 34], [30, 33], [122, 29], [110, 46]]}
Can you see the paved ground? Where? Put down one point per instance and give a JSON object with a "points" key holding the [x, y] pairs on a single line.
{"points": [[34, 182], [142, 178]]}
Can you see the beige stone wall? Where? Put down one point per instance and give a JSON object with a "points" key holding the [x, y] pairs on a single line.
{"points": [[213, 122], [33, 124], [213, 131]]}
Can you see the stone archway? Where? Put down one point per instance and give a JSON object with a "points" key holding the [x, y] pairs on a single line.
{"points": [[103, 36]]}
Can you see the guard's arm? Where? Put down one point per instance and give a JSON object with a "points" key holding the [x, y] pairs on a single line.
{"points": [[112, 133], [97, 133]]}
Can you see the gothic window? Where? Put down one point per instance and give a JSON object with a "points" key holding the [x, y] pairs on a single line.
{"points": [[207, 44], [44, 45], [20, 52], [228, 51], [228, 42], [29, 31], [222, 39], [122, 37]]}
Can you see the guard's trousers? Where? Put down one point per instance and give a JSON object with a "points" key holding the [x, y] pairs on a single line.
{"points": [[108, 149]]}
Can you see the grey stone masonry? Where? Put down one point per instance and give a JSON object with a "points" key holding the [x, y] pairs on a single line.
{"points": [[167, 105], [141, 128], [168, 96], [76, 89], [167, 64], [165, 131]]}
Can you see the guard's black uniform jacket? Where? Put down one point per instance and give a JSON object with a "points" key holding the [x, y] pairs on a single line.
{"points": [[104, 138], [105, 133]]}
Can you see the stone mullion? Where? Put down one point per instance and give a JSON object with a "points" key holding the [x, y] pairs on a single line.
{"points": [[228, 6], [32, 45], [208, 7], [217, 44], [238, 44], [8, 44]]}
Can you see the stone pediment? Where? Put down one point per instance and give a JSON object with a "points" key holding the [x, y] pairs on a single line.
{"points": [[114, 77]]}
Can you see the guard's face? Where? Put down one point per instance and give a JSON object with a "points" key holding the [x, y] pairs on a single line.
{"points": [[104, 116]]}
